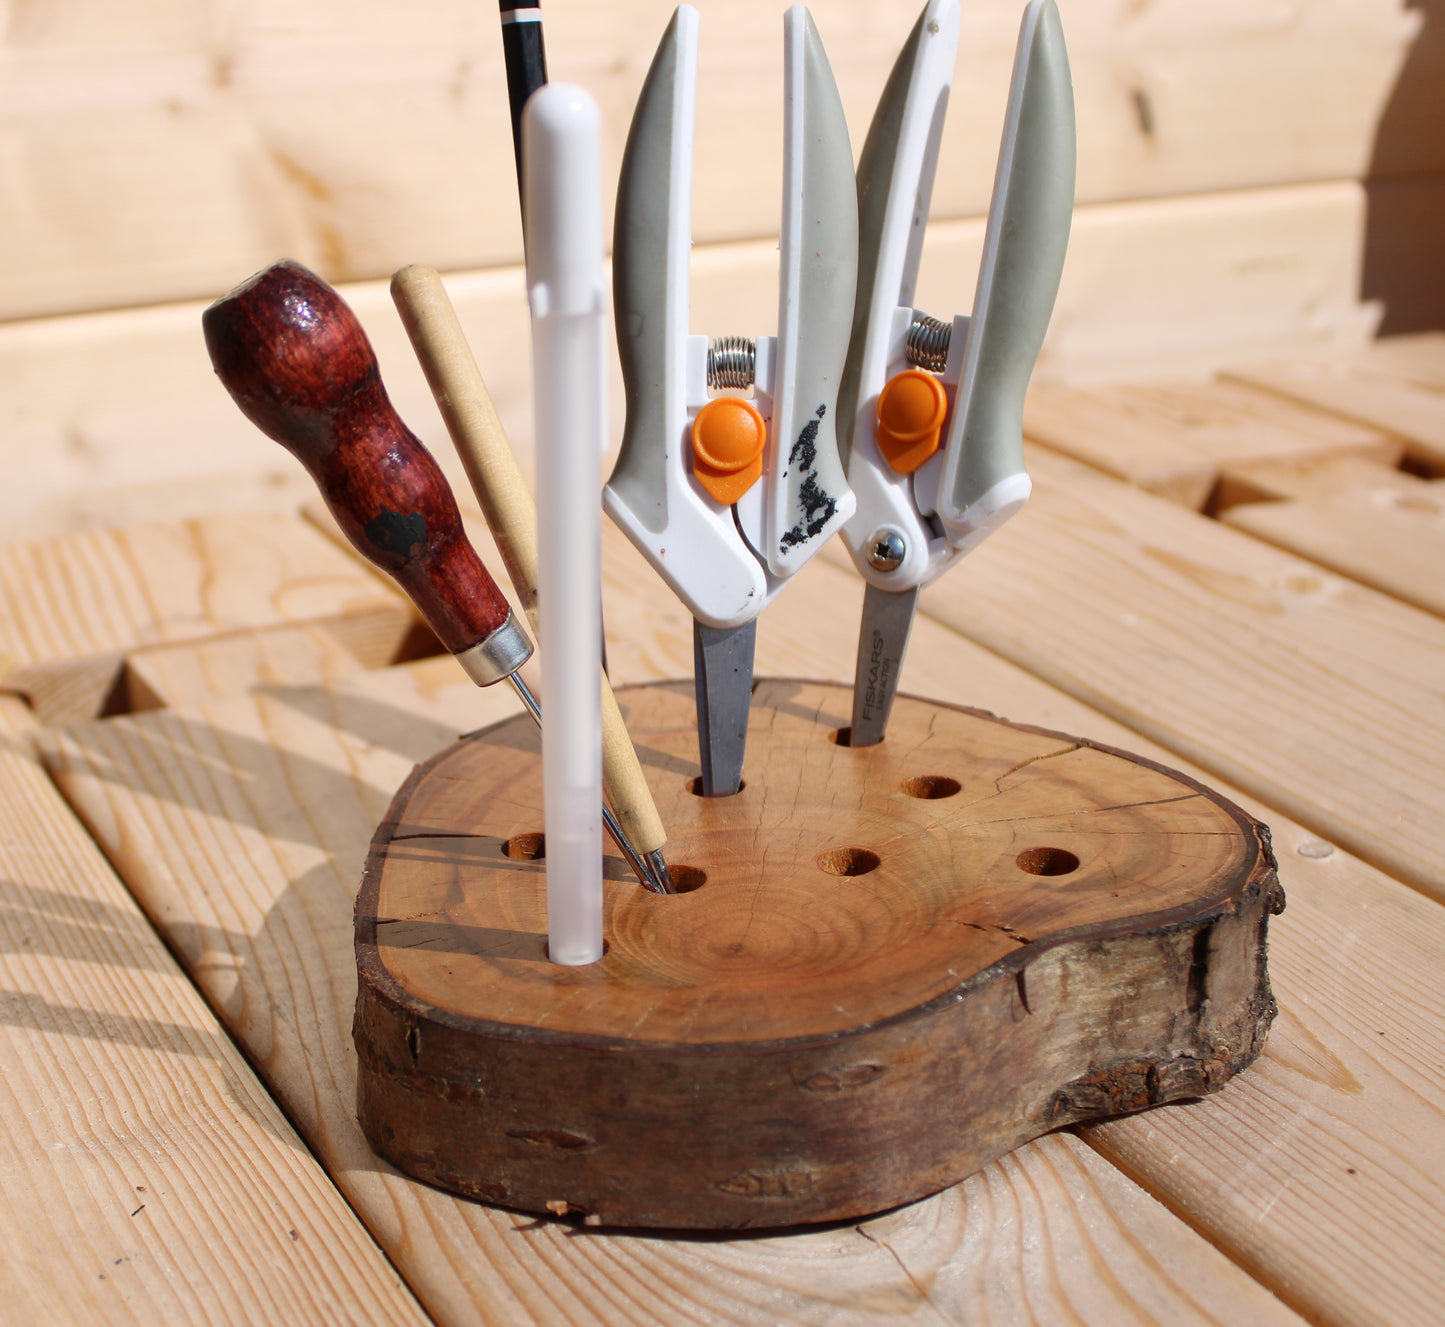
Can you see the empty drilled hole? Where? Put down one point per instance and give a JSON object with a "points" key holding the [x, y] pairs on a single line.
{"points": [[931, 787], [686, 878], [841, 736], [1047, 861], [694, 786], [526, 847], [849, 861]]}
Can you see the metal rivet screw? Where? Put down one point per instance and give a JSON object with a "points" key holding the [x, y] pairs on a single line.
{"points": [[886, 550]]}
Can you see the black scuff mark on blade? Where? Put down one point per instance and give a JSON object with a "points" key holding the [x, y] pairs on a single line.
{"points": [[818, 506]]}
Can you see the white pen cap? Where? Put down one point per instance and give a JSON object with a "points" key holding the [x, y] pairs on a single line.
{"points": [[561, 143]]}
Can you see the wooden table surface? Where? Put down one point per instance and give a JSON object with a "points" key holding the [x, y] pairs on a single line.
{"points": [[204, 722]]}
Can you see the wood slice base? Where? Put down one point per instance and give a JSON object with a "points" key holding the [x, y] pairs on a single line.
{"points": [[888, 966]]}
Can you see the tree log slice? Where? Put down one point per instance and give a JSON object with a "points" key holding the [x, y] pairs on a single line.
{"points": [[886, 966]]}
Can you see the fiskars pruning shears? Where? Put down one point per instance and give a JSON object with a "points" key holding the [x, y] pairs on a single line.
{"points": [[728, 497], [931, 413]]}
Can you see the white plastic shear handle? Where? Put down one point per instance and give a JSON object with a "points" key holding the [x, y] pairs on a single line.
{"points": [[726, 561], [977, 479]]}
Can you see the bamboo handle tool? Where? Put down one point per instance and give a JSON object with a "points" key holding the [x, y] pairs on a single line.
{"points": [[295, 359], [472, 421]]}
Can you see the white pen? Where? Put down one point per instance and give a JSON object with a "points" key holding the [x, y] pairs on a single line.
{"points": [[563, 210]]}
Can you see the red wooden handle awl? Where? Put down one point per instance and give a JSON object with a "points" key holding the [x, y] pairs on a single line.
{"points": [[295, 359]]}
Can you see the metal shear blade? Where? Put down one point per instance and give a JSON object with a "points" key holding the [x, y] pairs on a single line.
{"points": [[729, 498], [932, 413]]}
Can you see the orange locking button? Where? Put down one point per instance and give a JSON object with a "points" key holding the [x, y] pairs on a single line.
{"points": [[911, 410], [727, 447]]}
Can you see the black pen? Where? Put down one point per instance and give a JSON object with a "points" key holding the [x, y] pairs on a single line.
{"points": [[526, 59]]}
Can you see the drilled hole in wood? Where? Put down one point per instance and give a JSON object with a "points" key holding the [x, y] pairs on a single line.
{"points": [[842, 736], [1047, 861], [694, 786], [526, 847], [849, 861], [606, 947], [931, 787], [685, 879]]}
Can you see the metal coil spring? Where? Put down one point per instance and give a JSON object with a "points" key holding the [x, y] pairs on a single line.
{"points": [[731, 361], [927, 344]]}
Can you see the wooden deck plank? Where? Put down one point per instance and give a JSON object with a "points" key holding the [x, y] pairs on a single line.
{"points": [[1318, 696], [1388, 535], [243, 827], [73, 606], [1396, 384], [1321, 1169], [184, 675], [1175, 438], [1315, 484], [1319, 477], [1355, 1109], [147, 1175]]}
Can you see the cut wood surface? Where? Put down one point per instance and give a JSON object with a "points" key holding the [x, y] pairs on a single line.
{"points": [[73, 606], [244, 828], [1175, 439], [1030, 928], [148, 1177], [1319, 696], [1397, 384], [357, 139]]}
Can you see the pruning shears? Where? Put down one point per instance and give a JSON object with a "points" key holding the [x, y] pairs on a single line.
{"points": [[931, 413], [728, 496]]}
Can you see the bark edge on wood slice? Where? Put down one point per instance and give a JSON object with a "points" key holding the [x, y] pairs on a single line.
{"points": [[902, 962]]}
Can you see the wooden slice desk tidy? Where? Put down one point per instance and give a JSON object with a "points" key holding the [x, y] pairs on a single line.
{"points": [[885, 968]]}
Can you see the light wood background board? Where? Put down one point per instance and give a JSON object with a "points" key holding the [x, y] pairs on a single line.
{"points": [[160, 150], [117, 417], [147, 1175]]}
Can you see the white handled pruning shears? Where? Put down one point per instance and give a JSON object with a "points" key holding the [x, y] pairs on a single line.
{"points": [[931, 414], [726, 497]]}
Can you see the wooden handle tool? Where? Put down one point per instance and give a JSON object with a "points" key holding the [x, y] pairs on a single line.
{"points": [[295, 359], [472, 421]]}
